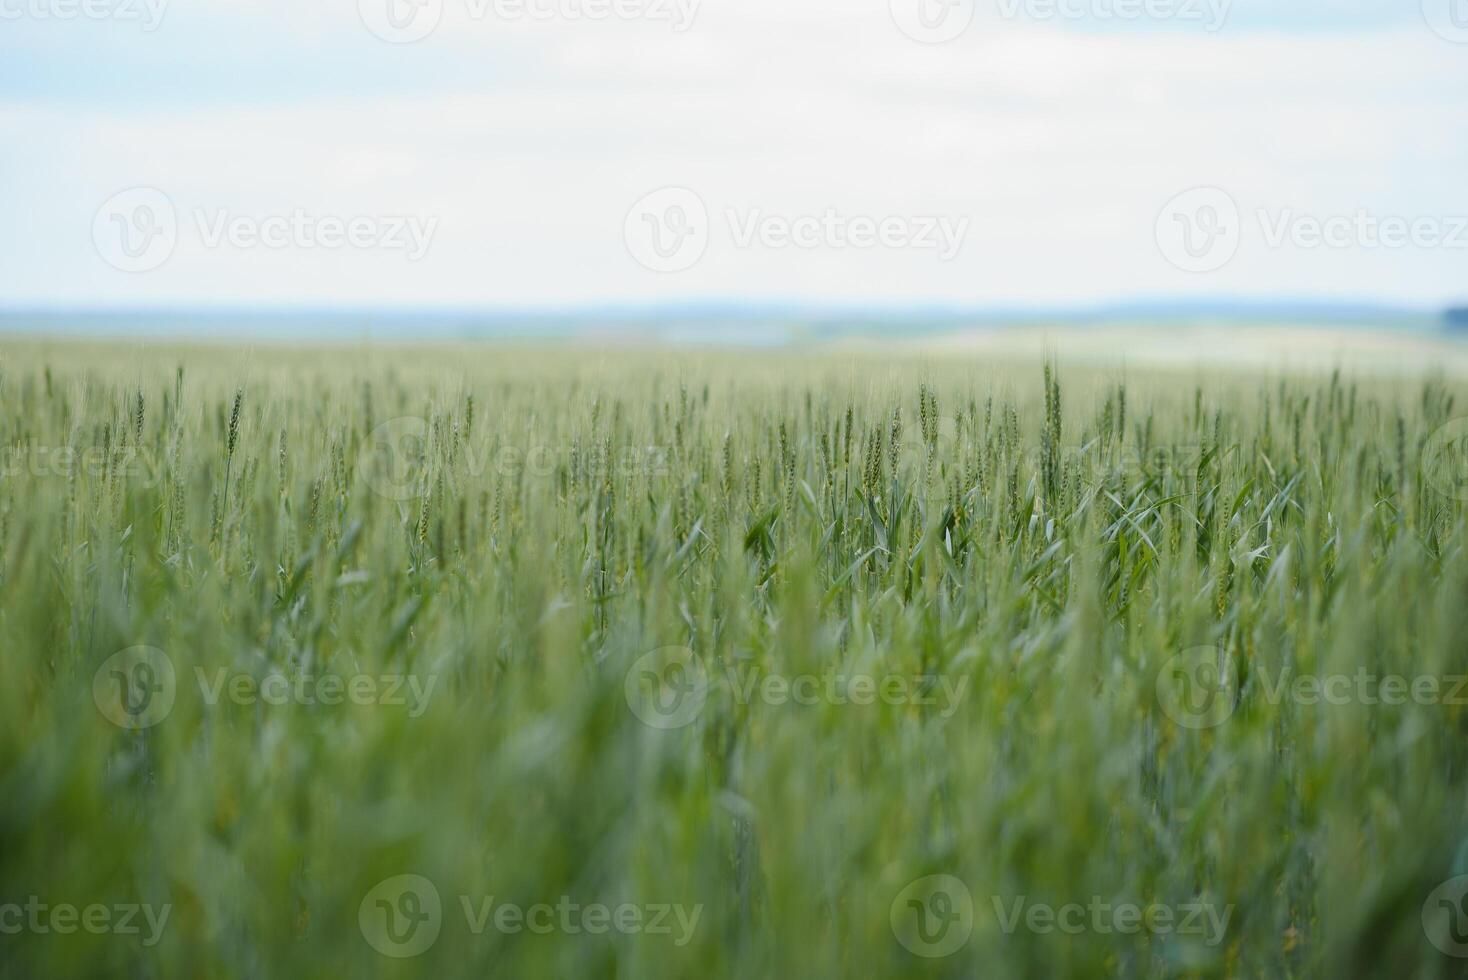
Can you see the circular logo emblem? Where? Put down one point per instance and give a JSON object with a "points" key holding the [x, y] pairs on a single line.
{"points": [[1445, 460], [135, 688], [395, 462], [1445, 916], [667, 688], [136, 230], [1198, 688], [401, 21], [668, 230], [1448, 19], [1199, 230], [933, 916], [932, 21], [401, 916]]}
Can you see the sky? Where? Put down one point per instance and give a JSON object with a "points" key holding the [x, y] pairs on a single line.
{"points": [[586, 154]]}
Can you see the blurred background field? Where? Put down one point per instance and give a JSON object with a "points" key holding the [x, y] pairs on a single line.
{"points": [[518, 530]]}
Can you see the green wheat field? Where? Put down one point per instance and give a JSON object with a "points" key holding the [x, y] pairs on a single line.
{"points": [[489, 662]]}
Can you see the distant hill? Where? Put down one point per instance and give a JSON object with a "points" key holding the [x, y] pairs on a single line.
{"points": [[749, 323]]}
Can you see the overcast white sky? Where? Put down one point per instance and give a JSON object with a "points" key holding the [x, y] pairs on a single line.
{"points": [[517, 150]]}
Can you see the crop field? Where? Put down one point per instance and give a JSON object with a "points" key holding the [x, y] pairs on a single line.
{"points": [[489, 662]]}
